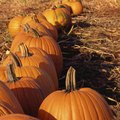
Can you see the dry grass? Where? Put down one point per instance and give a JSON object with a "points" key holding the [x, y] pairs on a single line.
{"points": [[92, 46]]}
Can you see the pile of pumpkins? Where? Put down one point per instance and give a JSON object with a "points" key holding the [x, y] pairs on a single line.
{"points": [[29, 75]]}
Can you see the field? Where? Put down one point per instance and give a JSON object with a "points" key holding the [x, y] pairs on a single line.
{"points": [[91, 45]]}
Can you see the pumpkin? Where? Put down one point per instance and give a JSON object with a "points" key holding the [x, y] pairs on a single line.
{"points": [[58, 17], [44, 42], [76, 7], [50, 27], [18, 117], [35, 57], [73, 104], [14, 25], [8, 102], [39, 75], [59, 4], [36, 20], [34, 25], [25, 88]]}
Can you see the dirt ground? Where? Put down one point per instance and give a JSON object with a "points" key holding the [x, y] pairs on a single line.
{"points": [[91, 46]]}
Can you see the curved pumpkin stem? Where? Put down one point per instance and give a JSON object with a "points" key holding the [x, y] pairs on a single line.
{"points": [[36, 33], [15, 59], [24, 50], [11, 73], [70, 80]]}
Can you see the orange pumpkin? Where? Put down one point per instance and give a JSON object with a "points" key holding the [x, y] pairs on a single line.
{"points": [[36, 20], [8, 102], [40, 76], [45, 42], [35, 57], [73, 104], [24, 89], [76, 7], [17, 117], [34, 25], [58, 17], [59, 4], [50, 27], [14, 25]]}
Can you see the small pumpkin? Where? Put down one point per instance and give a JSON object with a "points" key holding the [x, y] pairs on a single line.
{"points": [[73, 104], [35, 57], [58, 17], [76, 7], [60, 4], [44, 42], [8, 102], [18, 117], [14, 25]]}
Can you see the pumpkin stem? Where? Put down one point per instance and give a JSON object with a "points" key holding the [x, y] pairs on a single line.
{"points": [[24, 50], [34, 17], [70, 80], [15, 59], [26, 28], [11, 73], [35, 32], [53, 7]]}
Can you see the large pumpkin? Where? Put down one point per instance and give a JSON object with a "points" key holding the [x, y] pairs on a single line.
{"points": [[35, 57], [8, 102], [73, 104], [44, 42], [58, 17], [17, 117], [29, 94]]}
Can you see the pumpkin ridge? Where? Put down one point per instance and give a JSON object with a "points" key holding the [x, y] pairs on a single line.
{"points": [[77, 96], [85, 96], [95, 109], [101, 98], [3, 107], [103, 111], [59, 112]]}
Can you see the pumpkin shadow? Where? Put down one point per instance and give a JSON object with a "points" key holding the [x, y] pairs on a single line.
{"points": [[83, 24], [43, 115]]}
